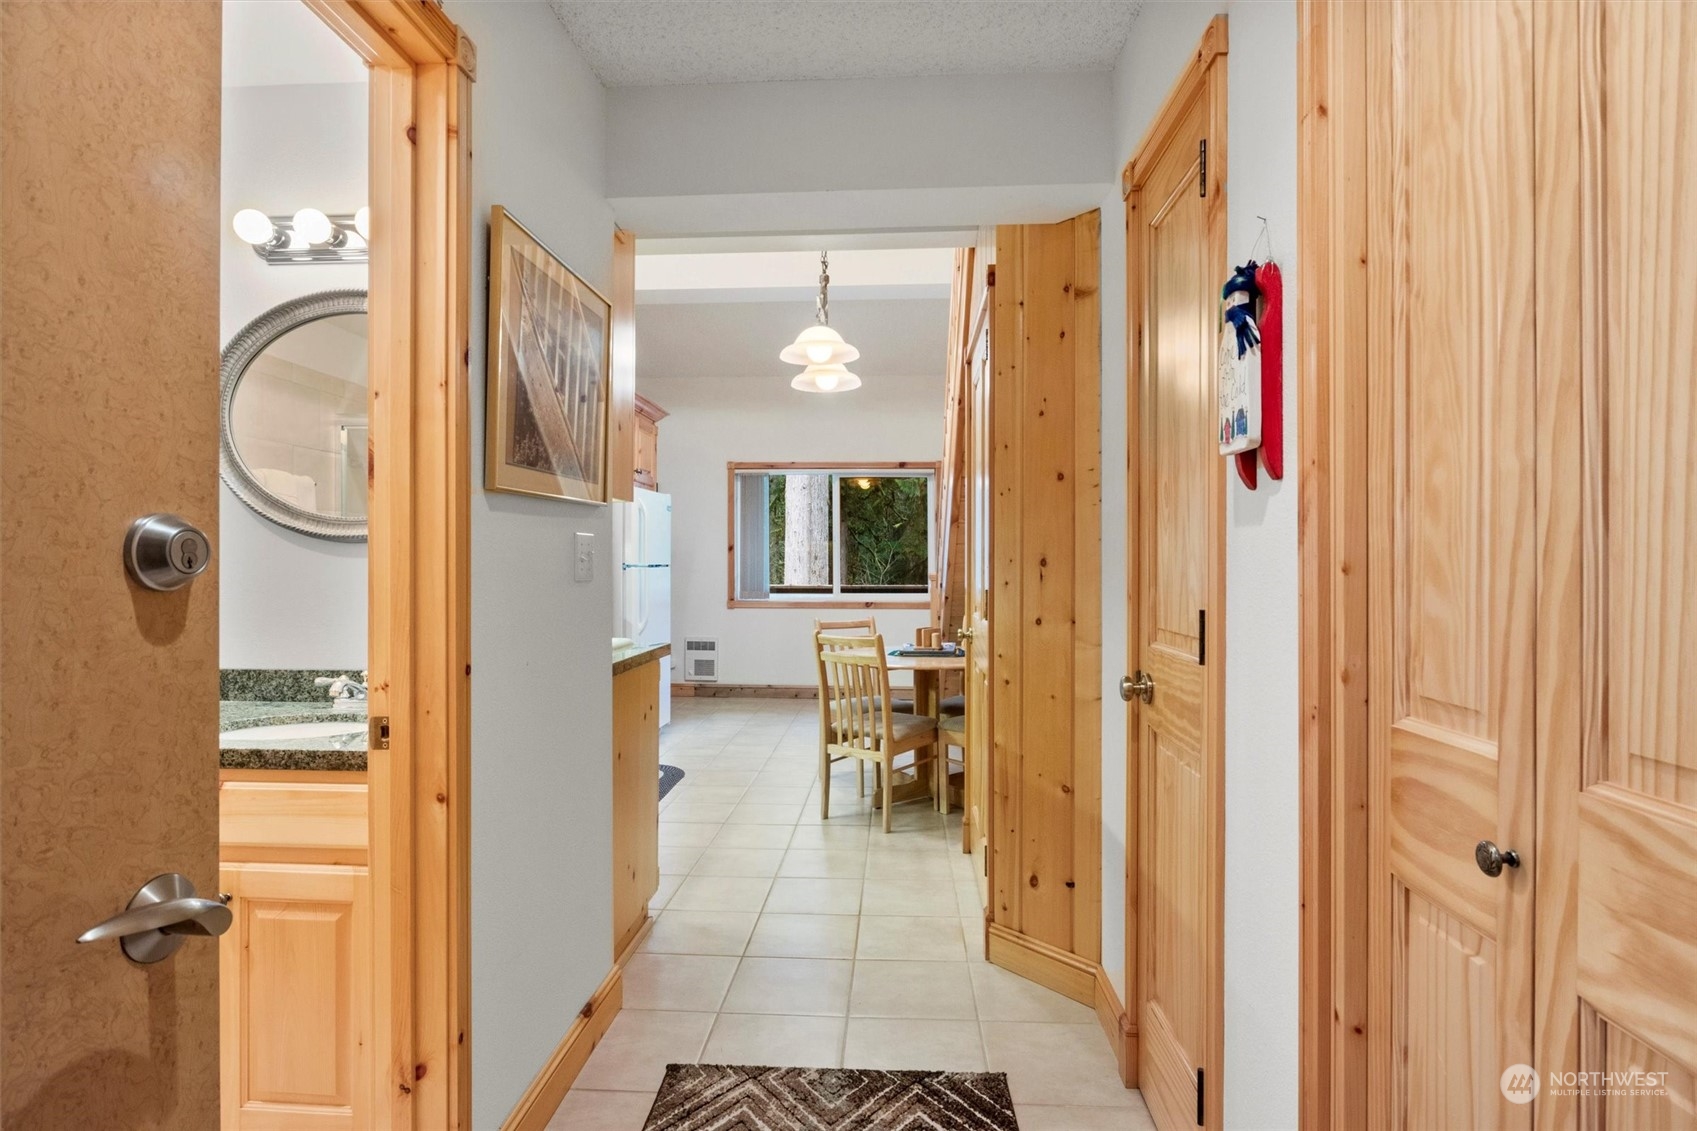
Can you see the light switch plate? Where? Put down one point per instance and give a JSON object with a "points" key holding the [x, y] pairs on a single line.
{"points": [[583, 556]]}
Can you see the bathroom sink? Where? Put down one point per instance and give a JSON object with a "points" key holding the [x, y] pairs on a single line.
{"points": [[259, 736]]}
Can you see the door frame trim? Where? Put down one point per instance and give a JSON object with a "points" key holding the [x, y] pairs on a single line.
{"points": [[422, 68], [1204, 76], [1343, 1085]]}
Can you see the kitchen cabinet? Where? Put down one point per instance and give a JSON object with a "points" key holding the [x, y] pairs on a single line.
{"points": [[295, 984], [636, 796], [648, 417]]}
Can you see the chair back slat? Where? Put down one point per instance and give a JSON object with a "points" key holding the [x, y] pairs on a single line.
{"points": [[847, 627]]}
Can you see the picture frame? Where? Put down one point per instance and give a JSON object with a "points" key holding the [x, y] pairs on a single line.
{"points": [[549, 374]]}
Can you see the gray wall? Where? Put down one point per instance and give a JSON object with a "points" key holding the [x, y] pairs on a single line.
{"points": [[871, 154], [286, 600], [1263, 810], [541, 758], [541, 803]]}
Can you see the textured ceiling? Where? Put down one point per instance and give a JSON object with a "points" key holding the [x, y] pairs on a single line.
{"points": [[896, 337], [676, 42]]}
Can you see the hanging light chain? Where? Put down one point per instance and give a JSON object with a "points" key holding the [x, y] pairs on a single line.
{"points": [[823, 306]]}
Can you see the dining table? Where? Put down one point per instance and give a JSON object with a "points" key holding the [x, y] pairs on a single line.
{"points": [[927, 672]]}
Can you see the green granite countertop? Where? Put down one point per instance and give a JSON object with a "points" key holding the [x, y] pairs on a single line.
{"points": [[327, 752], [624, 659]]}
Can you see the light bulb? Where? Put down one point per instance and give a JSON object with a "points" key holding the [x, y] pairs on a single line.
{"points": [[820, 354], [362, 223], [825, 380], [253, 226], [313, 225]]}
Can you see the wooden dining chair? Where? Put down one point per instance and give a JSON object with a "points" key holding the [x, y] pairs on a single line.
{"points": [[870, 628], [951, 734], [855, 718], [865, 627]]}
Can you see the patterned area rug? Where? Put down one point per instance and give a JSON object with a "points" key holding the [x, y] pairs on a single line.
{"points": [[719, 1097], [669, 776]]}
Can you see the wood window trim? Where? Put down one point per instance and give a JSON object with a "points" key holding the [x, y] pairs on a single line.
{"points": [[422, 68], [833, 604], [1201, 79], [1333, 116]]}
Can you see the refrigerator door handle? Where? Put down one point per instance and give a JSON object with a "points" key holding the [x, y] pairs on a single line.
{"points": [[642, 582]]}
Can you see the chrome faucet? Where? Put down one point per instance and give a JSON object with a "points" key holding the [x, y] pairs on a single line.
{"points": [[344, 686]]}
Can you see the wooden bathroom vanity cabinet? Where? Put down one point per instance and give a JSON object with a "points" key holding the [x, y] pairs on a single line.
{"points": [[295, 982], [636, 790]]}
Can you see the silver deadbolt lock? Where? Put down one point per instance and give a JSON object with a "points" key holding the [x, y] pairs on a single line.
{"points": [[165, 552]]}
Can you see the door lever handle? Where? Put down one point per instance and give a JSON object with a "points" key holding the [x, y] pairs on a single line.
{"points": [[159, 917]]}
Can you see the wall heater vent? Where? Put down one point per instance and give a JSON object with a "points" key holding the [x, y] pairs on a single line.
{"points": [[701, 660]]}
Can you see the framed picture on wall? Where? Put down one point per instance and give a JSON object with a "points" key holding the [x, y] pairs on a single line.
{"points": [[549, 372]]}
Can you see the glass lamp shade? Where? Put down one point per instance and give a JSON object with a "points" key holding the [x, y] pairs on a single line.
{"points": [[253, 226], [825, 379], [313, 226], [819, 345]]}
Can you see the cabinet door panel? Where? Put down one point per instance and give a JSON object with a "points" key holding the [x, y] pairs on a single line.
{"points": [[295, 985]]}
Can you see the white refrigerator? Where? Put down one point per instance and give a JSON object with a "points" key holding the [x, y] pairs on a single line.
{"points": [[642, 592]]}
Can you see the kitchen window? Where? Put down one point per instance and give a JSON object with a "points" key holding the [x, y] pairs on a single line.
{"points": [[831, 535]]}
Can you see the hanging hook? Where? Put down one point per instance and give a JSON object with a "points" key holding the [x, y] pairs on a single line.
{"points": [[1265, 237]]}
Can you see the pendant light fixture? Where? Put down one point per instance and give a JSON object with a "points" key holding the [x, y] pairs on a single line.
{"points": [[821, 348], [825, 379]]}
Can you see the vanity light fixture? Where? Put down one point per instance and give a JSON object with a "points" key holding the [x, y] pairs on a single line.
{"points": [[308, 236], [820, 347]]}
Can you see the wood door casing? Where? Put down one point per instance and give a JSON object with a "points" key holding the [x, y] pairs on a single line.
{"points": [[1617, 653], [109, 235], [1452, 565], [976, 561], [1175, 259], [622, 463]]}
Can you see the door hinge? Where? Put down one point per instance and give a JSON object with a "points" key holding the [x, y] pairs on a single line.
{"points": [[1202, 637], [380, 732], [1201, 1098], [1202, 159]]}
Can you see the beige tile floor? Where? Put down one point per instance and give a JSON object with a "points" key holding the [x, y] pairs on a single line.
{"points": [[783, 939]]}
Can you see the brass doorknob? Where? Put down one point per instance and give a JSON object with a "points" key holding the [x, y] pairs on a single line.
{"points": [[965, 633], [1138, 686], [1492, 860]]}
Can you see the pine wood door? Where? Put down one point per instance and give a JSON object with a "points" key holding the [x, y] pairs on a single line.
{"points": [[1045, 557], [108, 411], [1176, 265], [1452, 568], [1617, 652]]}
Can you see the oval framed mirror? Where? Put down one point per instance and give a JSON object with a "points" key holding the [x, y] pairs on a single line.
{"points": [[294, 418]]}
